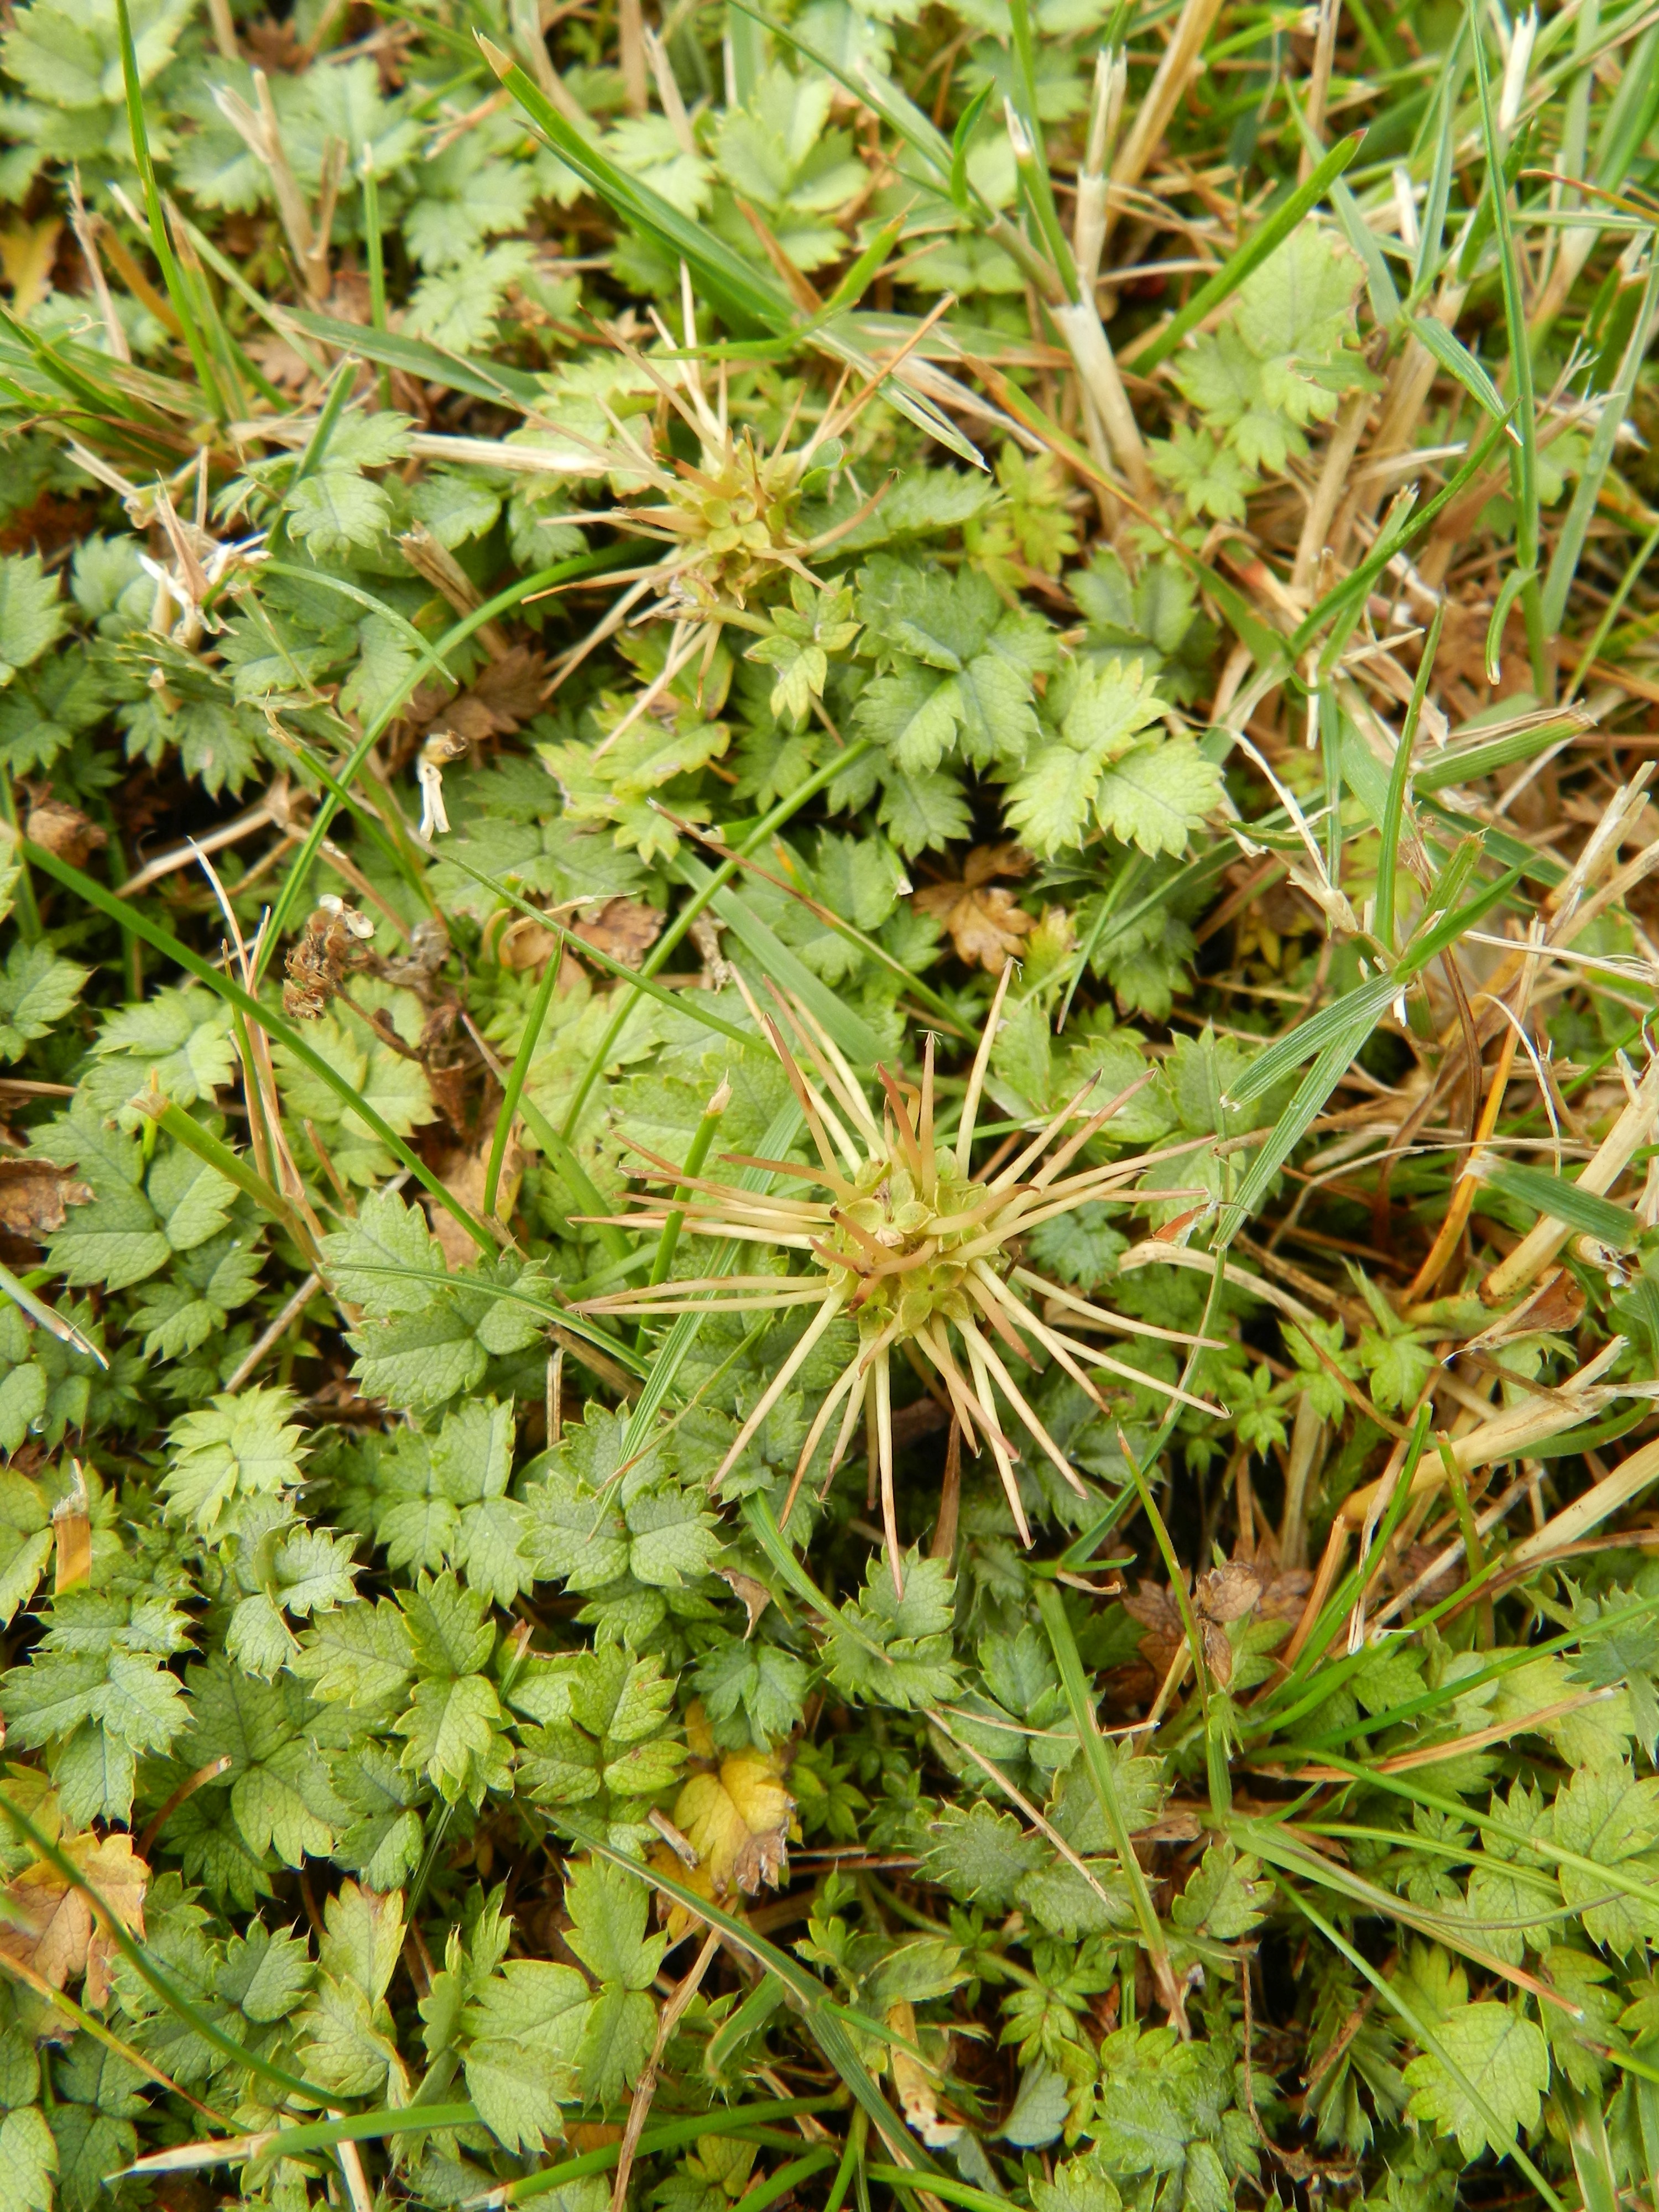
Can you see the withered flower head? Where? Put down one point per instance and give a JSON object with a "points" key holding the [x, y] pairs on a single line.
{"points": [[331, 947], [920, 1250]]}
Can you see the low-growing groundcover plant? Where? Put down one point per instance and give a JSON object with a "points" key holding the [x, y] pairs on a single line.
{"points": [[828, 1201]]}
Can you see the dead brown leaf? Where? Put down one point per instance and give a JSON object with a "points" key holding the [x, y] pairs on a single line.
{"points": [[510, 689], [1171, 1827], [64, 830], [985, 926], [340, 1399], [1557, 1305], [526, 945], [52, 1925], [987, 862], [623, 928], [1285, 1594], [33, 1197], [463, 1174], [756, 1596], [350, 299], [1154, 1608], [984, 923], [279, 360], [1229, 1592], [917, 2083], [47, 523], [275, 46], [508, 693]]}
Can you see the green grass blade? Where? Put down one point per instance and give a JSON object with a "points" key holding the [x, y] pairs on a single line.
{"points": [[308, 2136], [1630, 113], [873, 949], [826, 339], [1332, 1025], [789, 806], [1215, 1749], [62, 367], [374, 255], [1350, 595], [420, 358], [1431, 227], [1293, 1856], [1332, 1064], [1615, 412], [1379, 282], [1612, 1876], [516, 1074], [1357, 1580], [1467, 763], [589, 1198], [945, 2187], [53, 1322], [1400, 784], [276, 319], [872, 90], [760, 2194], [962, 138], [315, 452], [582, 564], [666, 2135], [808, 1992], [1592, 2158], [161, 246], [1523, 464], [1589, 654], [1434, 940], [1081, 1705], [144, 1963], [1425, 2038], [1583, 1210], [236, 372], [137, 924], [1239, 265], [763, 1524], [850, 1031], [371, 603], [781, 1132], [1454, 357], [745, 298], [236, 1170], [1312, 1688], [581, 947], [1024, 48], [377, 830]]}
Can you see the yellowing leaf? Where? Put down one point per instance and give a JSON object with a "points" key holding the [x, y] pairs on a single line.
{"points": [[51, 1925], [27, 253], [738, 1820], [916, 2084], [985, 924], [699, 1736]]}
